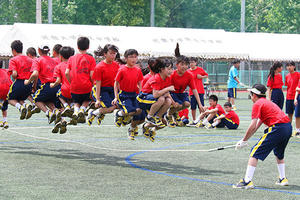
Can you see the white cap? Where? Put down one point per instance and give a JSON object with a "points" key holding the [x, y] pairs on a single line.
{"points": [[258, 89], [44, 47]]}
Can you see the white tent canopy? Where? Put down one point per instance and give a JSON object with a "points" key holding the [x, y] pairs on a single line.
{"points": [[155, 41]]}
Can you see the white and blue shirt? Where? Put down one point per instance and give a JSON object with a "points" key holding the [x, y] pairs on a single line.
{"points": [[232, 83]]}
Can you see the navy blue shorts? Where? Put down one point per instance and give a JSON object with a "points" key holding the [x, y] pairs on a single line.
{"points": [[145, 101], [297, 108], [277, 97], [19, 91], [194, 103], [127, 101], [4, 105], [232, 92], [107, 95], [140, 117], [220, 125], [46, 94], [289, 106], [229, 123], [275, 138], [180, 97], [80, 98], [60, 95]]}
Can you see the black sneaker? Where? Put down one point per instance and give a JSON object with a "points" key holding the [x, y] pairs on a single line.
{"points": [[151, 120], [63, 127]]}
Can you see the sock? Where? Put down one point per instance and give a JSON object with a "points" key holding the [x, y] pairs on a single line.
{"points": [[83, 108], [205, 122], [281, 170], [96, 112], [120, 113], [297, 130], [33, 104], [47, 112], [4, 119], [76, 109], [149, 116], [215, 123], [24, 104], [18, 106], [249, 173], [66, 104], [71, 105]]}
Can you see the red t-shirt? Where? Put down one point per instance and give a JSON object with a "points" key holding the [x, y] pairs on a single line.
{"points": [[276, 82], [198, 82], [5, 83], [233, 117], [59, 71], [146, 78], [45, 66], [128, 78], [57, 60], [80, 66], [268, 112], [159, 84], [291, 81], [106, 73], [220, 109], [22, 64], [184, 112], [147, 87], [181, 82]]}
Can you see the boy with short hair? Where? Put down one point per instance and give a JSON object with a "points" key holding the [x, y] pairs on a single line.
{"points": [[181, 78], [198, 75], [55, 53], [19, 68], [230, 119], [79, 73], [127, 85], [215, 110]]}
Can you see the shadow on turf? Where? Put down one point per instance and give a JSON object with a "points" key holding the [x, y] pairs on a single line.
{"points": [[285, 188], [105, 159]]}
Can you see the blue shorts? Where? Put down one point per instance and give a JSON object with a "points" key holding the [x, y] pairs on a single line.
{"points": [[4, 105], [180, 97], [46, 94], [297, 109], [275, 138], [145, 101], [289, 106], [277, 97], [59, 95], [19, 91], [80, 98], [140, 117], [220, 125], [107, 95], [229, 123], [127, 101], [232, 92], [194, 103]]}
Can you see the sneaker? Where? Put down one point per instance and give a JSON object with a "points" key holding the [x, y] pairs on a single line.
{"points": [[72, 122], [23, 112], [51, 117], [209, 126], [63, 128], [159, 123], [130, 134], [243, 185], [145, 131], [126, 120], [199, 124], [35, 109], [136, 131], [151, 120], [118, 119], [100, 118], [90, 117], [297, 135], [152, 134], [81, 117], [91, 106], [170, 121], [67, 112], [58, 116], [282, 182], [56, 127], [1, 124], [178, 119], [192, 124], [5, 125], [29, 112]]}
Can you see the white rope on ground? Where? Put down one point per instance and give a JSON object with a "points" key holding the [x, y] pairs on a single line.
{"points": [[123, 150]]}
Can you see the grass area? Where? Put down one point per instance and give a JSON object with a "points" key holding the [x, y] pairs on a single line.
{"points": [[102, 163]]}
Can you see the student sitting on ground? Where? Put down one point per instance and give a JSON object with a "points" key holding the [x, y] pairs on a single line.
{"points": [[230, 120]]}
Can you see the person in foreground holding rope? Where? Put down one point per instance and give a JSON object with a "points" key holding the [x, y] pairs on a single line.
{"points": [[276, 136]]}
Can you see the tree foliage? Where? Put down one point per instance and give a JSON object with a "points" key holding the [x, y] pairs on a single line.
{"points": [[280, 16]]}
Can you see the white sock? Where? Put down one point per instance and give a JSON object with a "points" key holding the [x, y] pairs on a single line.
{"points": [[4, 119], [215, 123], [83, 108], [120, 113], [281, 170], [205, 122], [96, 112], [18, 106], [298, 130], [66, 104], [249, 173], [76, 109]]}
